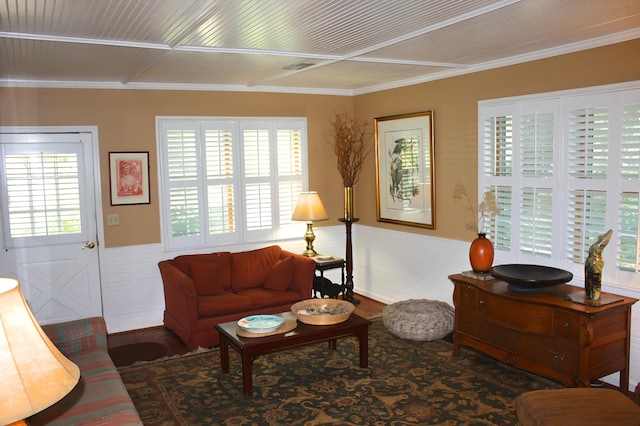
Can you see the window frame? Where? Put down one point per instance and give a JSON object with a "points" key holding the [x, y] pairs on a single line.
{"points": [[45, 144], [561, 183], [279, 228]]}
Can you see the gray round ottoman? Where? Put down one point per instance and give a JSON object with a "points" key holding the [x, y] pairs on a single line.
{"points": [[419, 319]]}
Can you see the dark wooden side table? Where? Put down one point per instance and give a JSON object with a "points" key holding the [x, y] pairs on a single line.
{"points": [[250, 348], [545, 331], [325, 265]]}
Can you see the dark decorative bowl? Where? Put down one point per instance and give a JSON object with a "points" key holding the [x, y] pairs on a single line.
{"points": [[530, 277]]}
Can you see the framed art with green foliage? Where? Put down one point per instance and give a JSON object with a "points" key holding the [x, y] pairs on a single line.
{"points": [[405, 169]]}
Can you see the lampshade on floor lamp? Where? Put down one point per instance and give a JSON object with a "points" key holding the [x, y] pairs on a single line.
{"points": [[33, 373], [309, 209]]}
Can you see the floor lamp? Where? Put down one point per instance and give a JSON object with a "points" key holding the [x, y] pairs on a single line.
{"points": [[33, 372]]}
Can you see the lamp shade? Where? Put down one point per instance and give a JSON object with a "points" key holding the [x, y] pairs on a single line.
{"points": [[33, 372], [310, 208]]}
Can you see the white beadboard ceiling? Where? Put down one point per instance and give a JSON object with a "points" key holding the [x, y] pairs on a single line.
{"points": [[354, 46]]}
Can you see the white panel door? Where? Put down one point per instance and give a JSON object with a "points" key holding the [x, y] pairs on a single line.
{"points": [[49, 231]]}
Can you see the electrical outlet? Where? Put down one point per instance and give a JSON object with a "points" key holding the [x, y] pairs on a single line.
{"points": [[113, 219]]}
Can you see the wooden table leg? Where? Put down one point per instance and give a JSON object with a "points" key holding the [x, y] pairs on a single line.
{"points": [[224, 355], [363, 337], [332, 345], [247, 379]]}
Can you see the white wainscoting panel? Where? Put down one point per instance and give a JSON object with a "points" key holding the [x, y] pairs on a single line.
{"points": [[391, 266]]}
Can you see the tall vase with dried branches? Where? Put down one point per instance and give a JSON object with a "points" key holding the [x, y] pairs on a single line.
{"points": [[350, 144]]}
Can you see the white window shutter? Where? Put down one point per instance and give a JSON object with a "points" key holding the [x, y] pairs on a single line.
{"points": [[586, 221], [630, 143], [43, 193], [498, 143], [536, 220], [502, 234], [290, 167], [628, 255], [220, 179], [183, 183], [536, 144], [588, 142]]}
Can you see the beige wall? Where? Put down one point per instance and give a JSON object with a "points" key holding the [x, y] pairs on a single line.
{"points": [[126, 122]]}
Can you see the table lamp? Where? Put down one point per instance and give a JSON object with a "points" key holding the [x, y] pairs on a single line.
{"points": [[33, 372], [309, 209]]}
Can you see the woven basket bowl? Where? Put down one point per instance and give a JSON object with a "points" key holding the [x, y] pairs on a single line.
{"points": [[419, 319], [322, 311]]}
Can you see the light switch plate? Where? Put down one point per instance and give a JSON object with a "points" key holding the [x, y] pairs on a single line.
{"points": [[113, 219]]}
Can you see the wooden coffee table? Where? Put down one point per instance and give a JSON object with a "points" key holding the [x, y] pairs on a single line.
{"points": [[250, 348]]}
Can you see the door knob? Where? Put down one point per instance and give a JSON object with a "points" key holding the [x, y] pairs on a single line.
{"points": [[89, 245]]}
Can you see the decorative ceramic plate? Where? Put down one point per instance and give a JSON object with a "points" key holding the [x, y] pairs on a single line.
{"points": [[261, 323], [531, 277]]}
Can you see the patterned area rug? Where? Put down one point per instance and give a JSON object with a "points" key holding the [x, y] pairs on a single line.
{"points": [[406, 383]]}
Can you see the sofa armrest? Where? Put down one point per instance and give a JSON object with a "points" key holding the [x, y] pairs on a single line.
{"points": [[76, 336], [180, 295], [303, 271]]}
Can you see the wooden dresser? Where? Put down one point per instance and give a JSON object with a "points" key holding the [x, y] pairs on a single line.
{"points": [[543, 332]]}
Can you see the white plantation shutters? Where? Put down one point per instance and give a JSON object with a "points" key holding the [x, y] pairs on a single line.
{"points": [[587, 167], [229, 181], [536, 217], [497, 166], [182, 182], [220, 180], [42, 193], [628, 256], [629, 229], [565, 169], [258, 182], [290, 168]]}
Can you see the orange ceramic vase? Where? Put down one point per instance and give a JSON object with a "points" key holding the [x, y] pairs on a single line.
{"points": [[481, 254]]}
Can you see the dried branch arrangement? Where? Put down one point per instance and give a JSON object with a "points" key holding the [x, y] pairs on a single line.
{"points": [[349, 142]]}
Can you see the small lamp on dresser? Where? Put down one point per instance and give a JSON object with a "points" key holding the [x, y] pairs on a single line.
{"points": [[33, 372]]}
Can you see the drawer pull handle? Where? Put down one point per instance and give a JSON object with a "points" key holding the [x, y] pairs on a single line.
{"points": [[565, 325], [556, 356], [482, 301], [471, 324]]}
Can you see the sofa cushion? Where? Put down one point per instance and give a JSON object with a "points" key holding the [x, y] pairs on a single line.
{"points": [[250, 269], [228, 303], [98, 398], [209, 277], [279, 278], [223, 258]]}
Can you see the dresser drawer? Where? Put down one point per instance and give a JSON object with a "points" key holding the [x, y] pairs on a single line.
{"points": [[465, 296], [559, 355], [566, 325], [515, 314], [548, 351]]}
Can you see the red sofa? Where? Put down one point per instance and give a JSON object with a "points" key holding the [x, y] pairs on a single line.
{"points": [[202, 290]]}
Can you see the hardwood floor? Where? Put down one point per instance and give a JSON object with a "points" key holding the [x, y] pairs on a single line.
{"points": [[366, 308]]}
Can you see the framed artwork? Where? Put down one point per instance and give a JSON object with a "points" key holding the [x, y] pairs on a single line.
{"points": [[129, 176], [405, 169]]}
